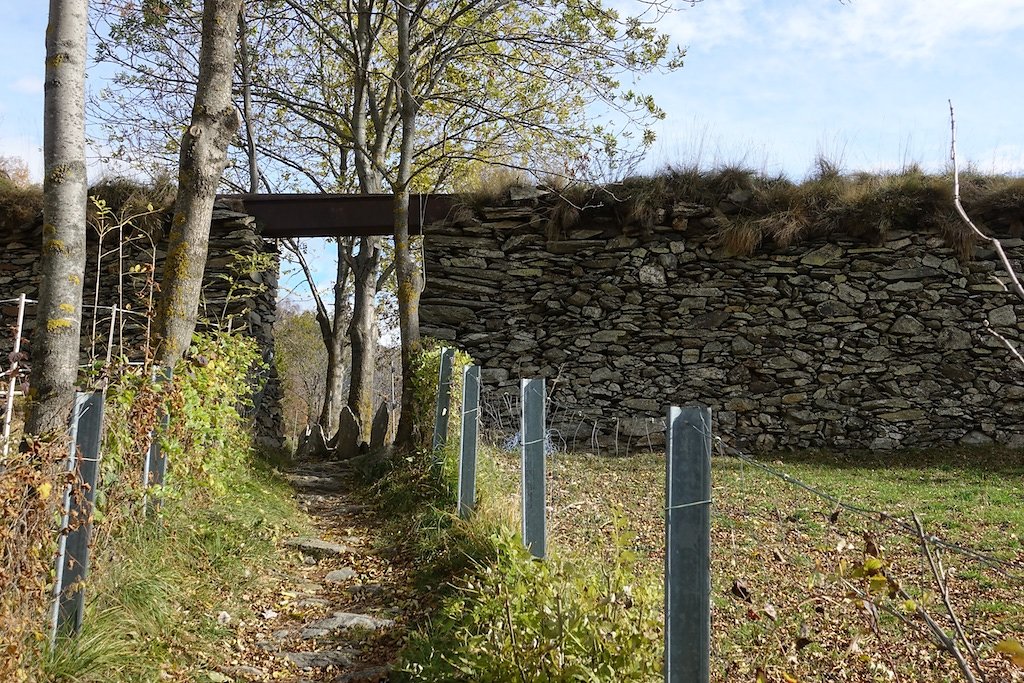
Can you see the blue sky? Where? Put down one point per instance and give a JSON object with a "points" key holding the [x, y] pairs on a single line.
{"points": [[769, 83], [773, 82]]}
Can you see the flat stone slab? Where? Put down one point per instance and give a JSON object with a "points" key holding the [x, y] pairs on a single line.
{"points": [[341, 575], [320, 660], [318, 548], [343, 620], [315, 481]]}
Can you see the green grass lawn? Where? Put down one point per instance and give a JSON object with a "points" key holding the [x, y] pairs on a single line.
{"points": [[794, 556]]}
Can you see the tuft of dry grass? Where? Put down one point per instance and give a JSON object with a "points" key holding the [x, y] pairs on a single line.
{"points": [[142, 205], [490, 187], [742, 237], [20, 205], [30, 490]]}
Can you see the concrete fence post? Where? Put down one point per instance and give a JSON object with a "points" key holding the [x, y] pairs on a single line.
{"points": [[444, 398], [470, 429], [534, 497], [688, 546], [76, 529]]}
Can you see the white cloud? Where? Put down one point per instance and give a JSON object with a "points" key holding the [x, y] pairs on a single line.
{"points": [[917, 29], [904, 30], [709, 24], [29, 85]]}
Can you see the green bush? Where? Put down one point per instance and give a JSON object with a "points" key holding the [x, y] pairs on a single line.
{"points": [[157, 583], [556, 620]]}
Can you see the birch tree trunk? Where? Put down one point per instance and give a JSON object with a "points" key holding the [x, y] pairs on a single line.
{"points": [[333, 332], [55, 344], [201, 162], [406, 272], [362, 333], [246, 64]]}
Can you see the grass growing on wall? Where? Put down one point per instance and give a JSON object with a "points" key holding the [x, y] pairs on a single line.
{"points": [[748, 210]]}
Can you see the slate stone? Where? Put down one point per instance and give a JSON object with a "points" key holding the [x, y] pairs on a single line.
{"points": [[347, 439], [1002, 316], [380, 430], [906, 324], [342, 621], [320, 660], [822, 255], [341, 575], [954, 338], [313, 445]]}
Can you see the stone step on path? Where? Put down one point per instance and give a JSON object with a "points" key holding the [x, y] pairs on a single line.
{"points": [[338, 614]]}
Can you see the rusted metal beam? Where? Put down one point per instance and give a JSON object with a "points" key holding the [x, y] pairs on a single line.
{"points": [[336, 215]]}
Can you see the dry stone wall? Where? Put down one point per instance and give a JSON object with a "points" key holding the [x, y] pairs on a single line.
{"points": [[833, 343], [249, 307]]}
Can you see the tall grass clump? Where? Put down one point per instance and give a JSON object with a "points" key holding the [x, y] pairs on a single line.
{"points": [[166, 561], [503, 616]]}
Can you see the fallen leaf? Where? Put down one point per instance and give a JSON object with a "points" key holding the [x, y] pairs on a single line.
{"points": [[740, 590], [1009, 646]]}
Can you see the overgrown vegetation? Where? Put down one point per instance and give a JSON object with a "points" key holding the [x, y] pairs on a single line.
{"points": [[21, 203], [748, 211], [786, 567], [502, 616], [159, 578]]}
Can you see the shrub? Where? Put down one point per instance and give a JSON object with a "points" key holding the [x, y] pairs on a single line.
{"points": [[556, 620]]}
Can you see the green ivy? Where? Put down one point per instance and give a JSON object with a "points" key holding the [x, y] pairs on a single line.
{"points": [[208, 439]]}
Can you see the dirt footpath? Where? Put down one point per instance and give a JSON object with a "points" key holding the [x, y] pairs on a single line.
{"points": [[341, 608]]}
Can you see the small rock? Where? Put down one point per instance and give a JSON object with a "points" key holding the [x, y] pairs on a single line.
{"points": [[652, 275], [954, 338], [741, 346], [340, 575], [1004, 315], [343, 620], [976, 439], [906, 324]]}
